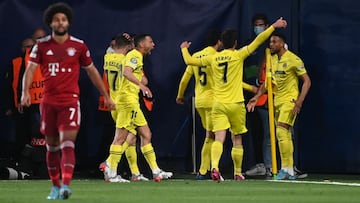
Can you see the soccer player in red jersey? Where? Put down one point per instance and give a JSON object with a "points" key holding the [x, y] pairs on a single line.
{"points": [[60, 56]]}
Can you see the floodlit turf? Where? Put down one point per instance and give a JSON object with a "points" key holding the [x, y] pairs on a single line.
{"points": [[176, 191]]}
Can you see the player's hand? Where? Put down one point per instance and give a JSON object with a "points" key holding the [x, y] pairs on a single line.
{"points": [[251, 104], [25, 99], [180, 101], [127, 36], [20, 108], [146, 91], [280, 23], [109, 103], [297, 106], [185, 44]]}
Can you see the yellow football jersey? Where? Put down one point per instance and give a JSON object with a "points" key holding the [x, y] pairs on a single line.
{"points": [[113, 64], [228, 75], [129, 92], [227, 67], [286, 72], [203, 80]]}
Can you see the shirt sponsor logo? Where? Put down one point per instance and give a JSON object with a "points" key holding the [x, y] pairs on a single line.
{"points": [[280, 72], [53, 68]]}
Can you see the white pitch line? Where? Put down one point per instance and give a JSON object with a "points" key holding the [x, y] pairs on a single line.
{"points": [[279, 181], [318, 182]]}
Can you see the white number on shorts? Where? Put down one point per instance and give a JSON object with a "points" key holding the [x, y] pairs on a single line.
{"points": [[72, 112]]}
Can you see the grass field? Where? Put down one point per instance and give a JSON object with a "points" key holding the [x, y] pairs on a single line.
{"points": [[187, 191]]}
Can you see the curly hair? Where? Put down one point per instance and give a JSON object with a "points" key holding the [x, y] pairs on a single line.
{"points": [[57, 8]]}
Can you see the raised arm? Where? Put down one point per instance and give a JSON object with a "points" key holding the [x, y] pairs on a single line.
{"points": [[262, 37], [189, 60]]}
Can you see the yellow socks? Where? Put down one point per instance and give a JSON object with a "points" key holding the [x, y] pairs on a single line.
{"points": [[206, 156], [286, 147], [150, 156], [216, 152], [114, 157], [131, 157], [237, 153]]}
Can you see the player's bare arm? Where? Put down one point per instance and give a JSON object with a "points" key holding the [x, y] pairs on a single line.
{"points": [[144, 80], [252, 102], [96, 79], [27, 79], [280, 23], [304, 91], [128, 73]]}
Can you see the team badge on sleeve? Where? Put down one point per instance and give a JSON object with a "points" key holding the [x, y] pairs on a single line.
{"points": [[88, 53], [133, 61]]}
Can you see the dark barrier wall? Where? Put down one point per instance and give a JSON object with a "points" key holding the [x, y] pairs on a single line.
{"points": [[322, 33], [329, 46]]}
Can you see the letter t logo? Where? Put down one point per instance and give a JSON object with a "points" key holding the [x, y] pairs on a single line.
{"points": [[53, 68]]}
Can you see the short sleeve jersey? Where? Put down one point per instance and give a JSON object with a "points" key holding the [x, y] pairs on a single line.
{"points": [[203, 80], [60, 67], [227, 68], [129, 92], [113, 65], [286, 72]]}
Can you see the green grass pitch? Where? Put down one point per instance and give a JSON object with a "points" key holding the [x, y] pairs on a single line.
{"points": [[187, 191]]}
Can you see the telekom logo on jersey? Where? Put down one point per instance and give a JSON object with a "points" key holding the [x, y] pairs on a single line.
{"points": [[54, 68]]}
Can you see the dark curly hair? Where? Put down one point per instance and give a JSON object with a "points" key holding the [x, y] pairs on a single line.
{"points": [[57, 8]]}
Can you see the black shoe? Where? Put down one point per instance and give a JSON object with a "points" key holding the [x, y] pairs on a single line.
{"points": [[206, 176], [299, 174], [268, 174]]}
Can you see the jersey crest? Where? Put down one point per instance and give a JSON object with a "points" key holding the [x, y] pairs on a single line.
{"points": [[133, 61], [71, 51]]}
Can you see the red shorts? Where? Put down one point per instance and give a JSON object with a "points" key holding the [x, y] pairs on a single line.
{"points": [[59, 118]]}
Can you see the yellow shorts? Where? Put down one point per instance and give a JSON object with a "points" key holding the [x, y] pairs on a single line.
{"points": [[284, 113], [205, 115], [129, 116], [231, 116]]}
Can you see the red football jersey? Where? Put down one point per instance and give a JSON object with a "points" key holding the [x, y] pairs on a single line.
{"points": [[60, 67]]}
